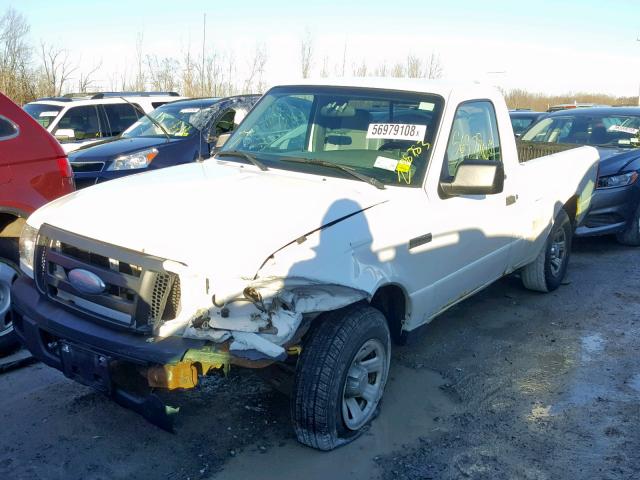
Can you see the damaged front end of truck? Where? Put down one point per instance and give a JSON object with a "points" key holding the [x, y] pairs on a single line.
{"points": [[128, 323]]}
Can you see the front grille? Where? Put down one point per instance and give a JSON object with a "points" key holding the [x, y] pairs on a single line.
{"points": [[138, 293], [87, 166]]}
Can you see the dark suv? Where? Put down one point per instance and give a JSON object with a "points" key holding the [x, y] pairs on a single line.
{"points": [[175, 133]]}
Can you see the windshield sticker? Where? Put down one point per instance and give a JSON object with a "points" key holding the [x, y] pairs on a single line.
{"points": [[396, 131], [48, 114], [404, 164], [428, 106], [620, 128], [386, 163], [190, 110]]}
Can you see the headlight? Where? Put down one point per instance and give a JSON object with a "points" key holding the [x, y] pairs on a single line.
{"points": [[617, 180], [28, 240], [140, 159]]}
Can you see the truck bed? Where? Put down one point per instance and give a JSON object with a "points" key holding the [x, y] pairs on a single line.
{"points": [[531, 150]]}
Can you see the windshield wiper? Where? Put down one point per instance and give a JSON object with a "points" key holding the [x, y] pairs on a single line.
{"points": [[360, 176], [153, 120], [238, 153]]}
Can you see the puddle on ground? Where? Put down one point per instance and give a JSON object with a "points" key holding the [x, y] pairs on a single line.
{"points": [[412, 399], [592, 345]]}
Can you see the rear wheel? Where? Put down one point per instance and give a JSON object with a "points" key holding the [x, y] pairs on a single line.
{"points": [[631, 234], [546, 272], [340, 377]]}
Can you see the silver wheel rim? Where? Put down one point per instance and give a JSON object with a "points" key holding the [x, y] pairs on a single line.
{"points": [[364, 384], [7, 276], [558, 251]]}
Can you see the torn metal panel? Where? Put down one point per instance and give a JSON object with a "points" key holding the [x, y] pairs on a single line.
{"points": [[264, 316]]}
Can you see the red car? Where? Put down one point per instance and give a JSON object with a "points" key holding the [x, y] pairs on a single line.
{"points": [[33, 171]]}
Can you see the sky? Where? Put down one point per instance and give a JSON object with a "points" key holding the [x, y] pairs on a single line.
{"points": [[549, 46]]}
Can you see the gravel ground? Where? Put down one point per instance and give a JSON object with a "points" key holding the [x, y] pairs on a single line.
{"points": [[509, 384]]}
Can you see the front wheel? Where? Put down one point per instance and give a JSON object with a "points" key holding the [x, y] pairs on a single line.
{"points": [[340, 377], [8, 339], [546, 272], [631, 234]]}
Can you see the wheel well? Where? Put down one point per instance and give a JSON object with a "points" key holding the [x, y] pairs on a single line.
{"points": [[571, 207], [391, 301], [10, 225], [10, 229]]}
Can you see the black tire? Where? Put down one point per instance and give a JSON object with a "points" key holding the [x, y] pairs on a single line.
{"points": [[9, 340], [319, 386], [544, 274], [631, 234]]}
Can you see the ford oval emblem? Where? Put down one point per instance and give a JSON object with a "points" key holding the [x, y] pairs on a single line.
{"points": [[86, 282]]}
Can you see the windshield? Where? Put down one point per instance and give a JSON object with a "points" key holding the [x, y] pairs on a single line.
{"points": [[382, 134], [43, 113], [177, 120], [600, 130]]}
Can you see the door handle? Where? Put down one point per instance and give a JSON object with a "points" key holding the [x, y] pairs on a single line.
{"points": [[511, 199]]}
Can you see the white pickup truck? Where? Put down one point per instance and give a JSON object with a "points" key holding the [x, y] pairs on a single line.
{"points": [[339, 216]]}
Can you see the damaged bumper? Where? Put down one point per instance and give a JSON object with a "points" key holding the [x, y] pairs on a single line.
{"points": [[43, 325]]}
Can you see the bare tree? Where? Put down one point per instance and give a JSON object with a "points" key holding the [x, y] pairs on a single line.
{"points": [[306, 54], [360, 70], [188, 79], [162, 73], [254, 81], [414, 67], [397, 70], [140, 79], [381, 70], [324, 73], [16, 79], [86, 80], [434, 69], [56, 69]]}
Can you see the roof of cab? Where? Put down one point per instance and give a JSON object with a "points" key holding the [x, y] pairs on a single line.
{"points": [[443, 88]]}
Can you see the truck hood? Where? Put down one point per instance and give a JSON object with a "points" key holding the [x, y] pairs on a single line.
{"points": [[213, 216], [110, 149], [614, 160]]}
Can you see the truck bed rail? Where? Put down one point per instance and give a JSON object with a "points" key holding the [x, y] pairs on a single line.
{"points": [[531, 150]]}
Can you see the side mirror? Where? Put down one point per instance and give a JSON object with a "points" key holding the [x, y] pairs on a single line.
{"points": [[476, 177], [65, 134]]}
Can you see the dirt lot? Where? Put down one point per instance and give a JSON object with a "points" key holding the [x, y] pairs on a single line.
{"points": [[510, 384]]}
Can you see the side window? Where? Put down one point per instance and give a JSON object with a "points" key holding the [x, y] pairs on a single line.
{"points": [[8, 129], [474, 136], [157, 104], [225, 123], [121, 116], [83, 121]]}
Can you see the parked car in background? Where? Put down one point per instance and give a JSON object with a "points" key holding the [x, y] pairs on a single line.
{"points": [[338, 216], [175, 133], [614, 131], [33, 171], [569, 106], [521, 119], [81, 119]]}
